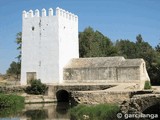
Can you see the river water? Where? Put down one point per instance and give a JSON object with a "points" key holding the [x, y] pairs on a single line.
{"points": [[51, 111]]}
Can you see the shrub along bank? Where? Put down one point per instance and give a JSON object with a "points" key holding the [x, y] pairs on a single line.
{"points": [[11, 100], [95, 112], [37, 88], [10, 104]]}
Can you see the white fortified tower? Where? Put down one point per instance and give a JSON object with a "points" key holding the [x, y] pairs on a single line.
{"points": [[48, 43]]}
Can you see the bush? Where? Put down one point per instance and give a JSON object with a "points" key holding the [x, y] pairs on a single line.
{"points": [[10, 104], [97, 112], [147, 85], [11, 100], [36, 88]]}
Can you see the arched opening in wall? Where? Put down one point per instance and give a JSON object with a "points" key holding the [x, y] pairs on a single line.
{"points": [[63, 96], [155, 109]]}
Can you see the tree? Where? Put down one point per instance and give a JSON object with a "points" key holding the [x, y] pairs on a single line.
{"points": [[154, 70], [139, 38], [95, 44], [145, 51], [158, 48], [19, 43], [14, 69], [142, 49], [126, 48], [105, 45], [151, 56], [139, 49], [85, 39]]}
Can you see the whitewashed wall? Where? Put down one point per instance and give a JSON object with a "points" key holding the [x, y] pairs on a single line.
{"points": [[48, 42]]}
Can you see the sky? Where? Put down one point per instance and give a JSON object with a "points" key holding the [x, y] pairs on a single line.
{"points": [[116, 19]]}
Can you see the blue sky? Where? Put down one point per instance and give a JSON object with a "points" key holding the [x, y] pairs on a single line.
{"points": [[117, 19]]}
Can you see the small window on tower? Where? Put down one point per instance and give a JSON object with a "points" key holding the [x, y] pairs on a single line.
{"points": [[33, 28]]}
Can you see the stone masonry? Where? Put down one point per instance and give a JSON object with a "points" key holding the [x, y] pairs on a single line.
{"points": [[106, 69]]}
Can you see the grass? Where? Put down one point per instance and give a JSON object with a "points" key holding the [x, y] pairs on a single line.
{"points": [[10, 100], [147, 85], [10, 104], [95, 112], [8, 112]]}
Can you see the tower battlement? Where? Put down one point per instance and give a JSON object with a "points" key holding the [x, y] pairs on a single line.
{"points": [[58, 12]]}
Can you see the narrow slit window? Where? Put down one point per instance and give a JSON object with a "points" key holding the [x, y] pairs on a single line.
{"points": [[33, 28]]}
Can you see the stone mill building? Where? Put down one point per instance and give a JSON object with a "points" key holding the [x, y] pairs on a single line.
{"points": [[50, 52]]}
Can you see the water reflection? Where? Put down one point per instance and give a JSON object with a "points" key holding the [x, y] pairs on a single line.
{"points": [[49, 111], [36, 114], [62, 108]]}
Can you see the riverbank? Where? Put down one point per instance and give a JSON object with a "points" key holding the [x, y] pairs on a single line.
{"points": [[10, 104], [47, 111], [113, 94], [90, 97], [10, 100]]}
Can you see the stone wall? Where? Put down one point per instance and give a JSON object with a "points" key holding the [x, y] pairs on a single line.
{"points": [[108, 69], [110, 74], [139, 103], [86, 97], [12, 89], [52, 90]]}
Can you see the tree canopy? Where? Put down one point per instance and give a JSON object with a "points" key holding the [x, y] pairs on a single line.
{"points": [[95, 44], [15, 69], [19, 43]]}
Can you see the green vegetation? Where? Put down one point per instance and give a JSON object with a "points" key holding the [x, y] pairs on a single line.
{"points": [[7, 112], [96, 112], [10, 100], [95, 44], [14, 69], [37, 114], [19, 43], [147, 85], [36, 88], [10, 104]]}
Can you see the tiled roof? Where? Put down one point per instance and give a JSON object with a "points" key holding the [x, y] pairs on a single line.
{"points": [[103, 62]]}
